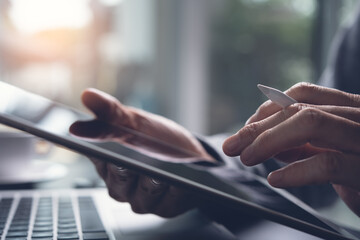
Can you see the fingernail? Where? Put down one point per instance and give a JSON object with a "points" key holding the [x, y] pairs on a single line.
{"points": [[230, 145], [275, 178]]}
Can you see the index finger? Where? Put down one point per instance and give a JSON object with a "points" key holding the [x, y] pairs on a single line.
{"points": [[308, 93], [311, 125]]}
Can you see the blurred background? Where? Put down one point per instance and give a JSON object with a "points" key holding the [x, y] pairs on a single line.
{"points": [[194, 61]]}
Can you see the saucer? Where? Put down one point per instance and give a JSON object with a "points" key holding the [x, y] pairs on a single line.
{"points": [[38, 171]]}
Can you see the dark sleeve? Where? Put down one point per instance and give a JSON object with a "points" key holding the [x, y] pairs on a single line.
{"points": [[343, 70]]}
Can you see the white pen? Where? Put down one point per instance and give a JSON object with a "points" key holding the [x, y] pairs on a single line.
{"points": [[277, 96]]}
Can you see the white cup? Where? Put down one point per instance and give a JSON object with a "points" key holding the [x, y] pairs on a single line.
{"points": [[17, 151]]}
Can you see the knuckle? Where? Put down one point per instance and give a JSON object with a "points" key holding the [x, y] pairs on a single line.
{"points": [[115, 195], [353, 100], [331, 164], [311, 117], [292, 110], [101, 167], [251, 130], [302, 89], [303, 86], [178, 193], [137, 208], [266, 136], [299, 106]]}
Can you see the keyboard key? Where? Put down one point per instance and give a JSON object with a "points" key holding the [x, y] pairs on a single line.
{"points": [[15, 238], [43, 215], [6, 201], [44, 219], [95, 235], [90, 220], [42, 234], [17, 234], [66, 221], [66, 225], [43, 229], [19, 223], [68, 230], [43, 224], [67, 236], [19, 228]]}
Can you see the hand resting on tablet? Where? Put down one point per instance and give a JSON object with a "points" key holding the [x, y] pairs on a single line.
{"points": [[145, 194]]}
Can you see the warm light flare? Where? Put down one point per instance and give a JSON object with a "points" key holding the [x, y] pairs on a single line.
{"points": [[31, 16]]}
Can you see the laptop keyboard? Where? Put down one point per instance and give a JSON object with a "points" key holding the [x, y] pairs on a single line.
{"points": [[45, 218]]}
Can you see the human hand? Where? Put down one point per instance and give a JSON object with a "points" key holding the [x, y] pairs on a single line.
{"points": [[116, 122], [318, 137]]}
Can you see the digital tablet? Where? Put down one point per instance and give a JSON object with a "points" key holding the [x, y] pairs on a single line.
{"points": [[50, 120]]}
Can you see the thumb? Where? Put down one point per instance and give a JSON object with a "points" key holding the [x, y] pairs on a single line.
{"points": [[105, 107]]}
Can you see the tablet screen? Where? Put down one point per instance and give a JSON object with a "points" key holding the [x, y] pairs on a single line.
{"points": [[50, 120]]}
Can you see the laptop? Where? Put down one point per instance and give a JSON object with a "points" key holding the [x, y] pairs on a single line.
{"points": [[92, 214], [50, 120]]}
